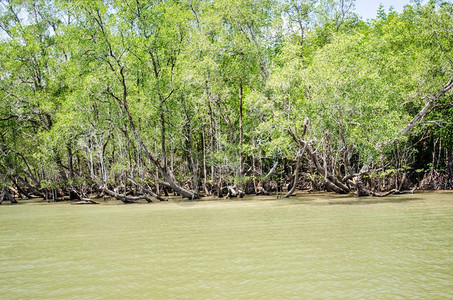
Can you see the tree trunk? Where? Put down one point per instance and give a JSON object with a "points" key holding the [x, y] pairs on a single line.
{"points": [[211, 140], [295, 179], [428, 106], [70, 162], [260, 189], [192, 161], [19, 188], [147, 191], [122, 197], [205, 173], [162, 124], [241, 135], [5, 194], [331, 182], [32, 190], [163, 170]]}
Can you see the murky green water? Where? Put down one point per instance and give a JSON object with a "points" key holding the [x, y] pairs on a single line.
{"points": [[309, 247]]}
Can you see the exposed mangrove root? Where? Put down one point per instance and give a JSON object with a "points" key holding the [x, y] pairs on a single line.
{"points": [[331, 182], [435, 180], [125, 198], [234, 191], [122, 197], [295, 179], [260, 190], [85, 201], [5, 194], [365, 192]]}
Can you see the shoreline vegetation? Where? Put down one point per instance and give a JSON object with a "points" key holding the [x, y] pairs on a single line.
{"points": [[140, 101], [300, 196]]}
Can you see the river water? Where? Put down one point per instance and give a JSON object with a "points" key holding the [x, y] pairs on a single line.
{"points": [[312, 246]]}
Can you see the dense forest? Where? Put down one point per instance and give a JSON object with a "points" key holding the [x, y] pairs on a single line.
{"points": [[136, 99]]}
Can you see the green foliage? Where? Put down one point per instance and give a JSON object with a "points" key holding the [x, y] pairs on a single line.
{"points": [[69, 67]]}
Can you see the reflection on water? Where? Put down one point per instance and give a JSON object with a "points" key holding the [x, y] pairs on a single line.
{"points": [[313, 246]]}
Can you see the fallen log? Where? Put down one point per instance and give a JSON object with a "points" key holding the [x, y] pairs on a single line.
{"points": [[365, 192], [122, 197], [147, 191], [125, 198], [394, 191], [85, 201]]}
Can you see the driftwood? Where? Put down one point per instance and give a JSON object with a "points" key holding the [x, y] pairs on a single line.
{"points": [[85, 201], [394, 191]]}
